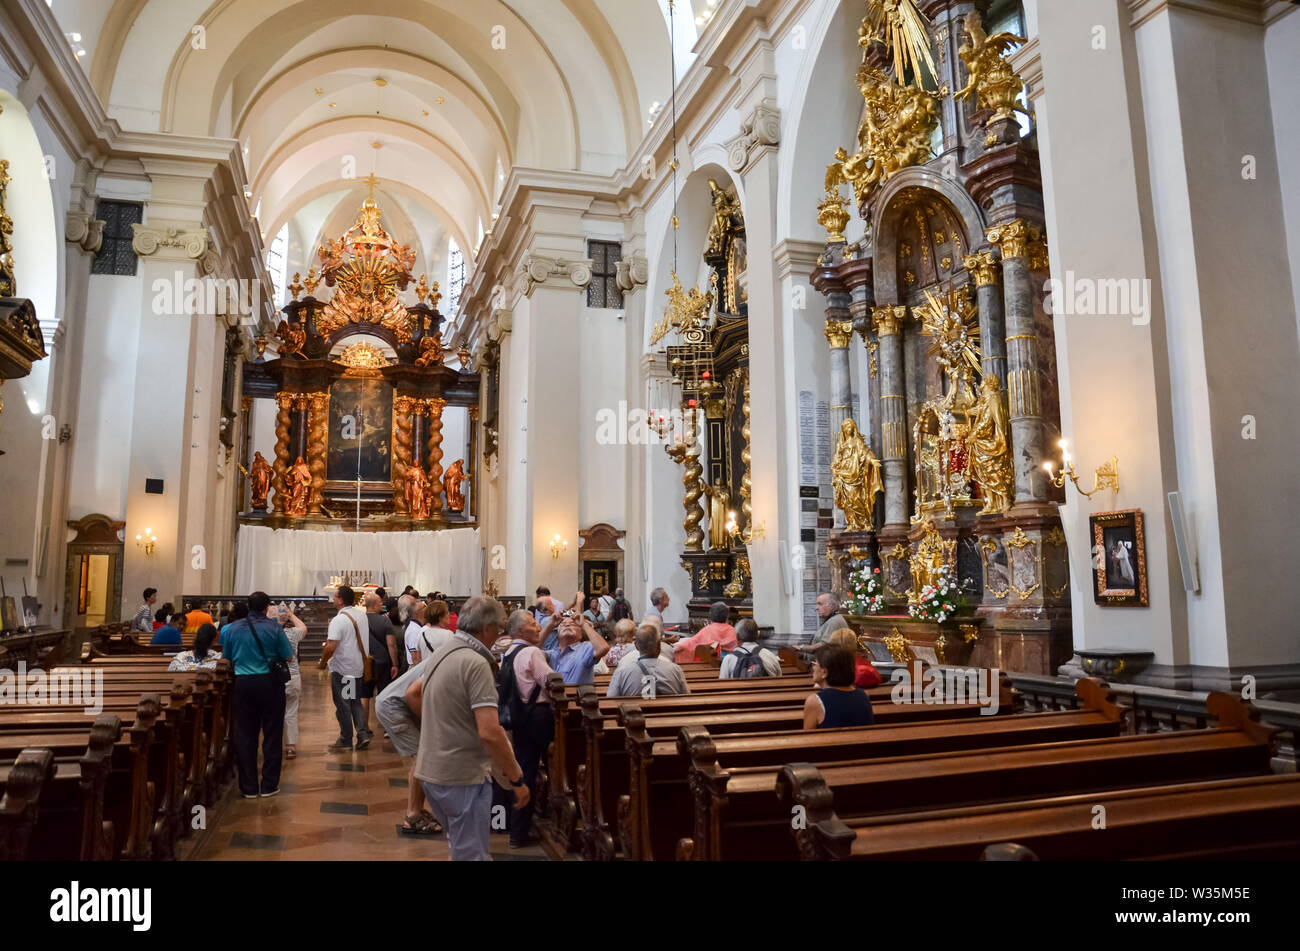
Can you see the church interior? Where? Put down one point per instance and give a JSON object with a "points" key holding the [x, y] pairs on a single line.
{"points": [[968, 327]]}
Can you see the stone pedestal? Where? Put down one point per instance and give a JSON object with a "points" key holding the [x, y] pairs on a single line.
{"points": [[849, 551], [711, 572]]}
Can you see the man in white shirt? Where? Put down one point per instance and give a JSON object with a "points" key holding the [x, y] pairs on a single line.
{"points": [[735, 664], [631, 678], [345, 650]]}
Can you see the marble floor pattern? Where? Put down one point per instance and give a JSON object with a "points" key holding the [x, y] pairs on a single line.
{"points": [[331, 806]]}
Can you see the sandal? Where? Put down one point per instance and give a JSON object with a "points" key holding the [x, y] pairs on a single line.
{"points": [[423, 824]]}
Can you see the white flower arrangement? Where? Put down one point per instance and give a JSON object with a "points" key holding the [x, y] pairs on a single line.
{"points": [[938, 601], [867, 593]]}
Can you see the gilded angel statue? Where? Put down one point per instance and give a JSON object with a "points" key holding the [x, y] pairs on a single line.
{"points": [[992, 78]]}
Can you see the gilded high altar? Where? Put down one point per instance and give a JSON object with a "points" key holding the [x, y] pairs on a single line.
{"points": [[365, 415], [944, 291]]}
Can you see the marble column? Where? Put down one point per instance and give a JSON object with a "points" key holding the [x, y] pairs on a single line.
{"points": [[838, 334], [283, 421], [435, 456], [888, 321], [1024, 396], [985, 269], [320, 411]]}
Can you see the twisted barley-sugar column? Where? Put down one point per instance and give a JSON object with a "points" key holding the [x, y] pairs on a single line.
{"points": [[692, 480], [403, 406], [888, 321], [746, 483], [1024, 391], [283, 418], [435, 456], [316, 445]]}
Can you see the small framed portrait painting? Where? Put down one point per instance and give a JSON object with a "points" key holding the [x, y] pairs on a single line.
{"points": [[1119, 558]]}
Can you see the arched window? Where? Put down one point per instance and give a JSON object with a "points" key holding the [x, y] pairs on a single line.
{"points": [[275, 263], [455, 276]]}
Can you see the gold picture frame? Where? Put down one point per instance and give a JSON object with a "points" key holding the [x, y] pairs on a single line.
{"points": [[1119, 558]]}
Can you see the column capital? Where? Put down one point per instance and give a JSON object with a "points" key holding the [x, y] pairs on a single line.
{"points": [[1014, 237], [538, 270], [85, 231], [888, 319], [500, 323], [983, 266], [632, 272], [839, 333], [759, 130], [173, 243]]}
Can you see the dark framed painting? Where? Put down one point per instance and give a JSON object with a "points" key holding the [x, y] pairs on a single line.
{"points": [[360, 430], [1119, 558]]}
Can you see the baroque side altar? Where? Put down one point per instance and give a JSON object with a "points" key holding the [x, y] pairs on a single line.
{"points": [[944, 289]]}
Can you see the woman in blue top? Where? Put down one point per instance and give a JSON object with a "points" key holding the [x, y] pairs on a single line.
{"points": [[839, 702]]}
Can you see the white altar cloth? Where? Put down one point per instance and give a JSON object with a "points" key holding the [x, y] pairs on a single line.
{"points": [[302, 562]]}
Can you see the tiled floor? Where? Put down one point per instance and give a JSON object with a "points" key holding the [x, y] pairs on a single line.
{"points": [[331, 806]]}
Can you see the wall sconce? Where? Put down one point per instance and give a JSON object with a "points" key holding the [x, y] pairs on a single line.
{"points": [[558, 546], [146, 541], [1105, 476]]}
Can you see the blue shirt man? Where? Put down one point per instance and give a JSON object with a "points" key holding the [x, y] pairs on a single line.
{"points": [[574, 663], [166, 636], [239, 647]]}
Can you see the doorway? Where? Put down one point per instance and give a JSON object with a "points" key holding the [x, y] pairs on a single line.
{"points": [[93, 594]]}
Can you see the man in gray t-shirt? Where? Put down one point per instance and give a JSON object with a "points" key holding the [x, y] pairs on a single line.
{"points": [[631, 677], [462, 743]]}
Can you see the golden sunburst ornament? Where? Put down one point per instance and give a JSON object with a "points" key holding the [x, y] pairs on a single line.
{"points": [[904, 30], [369, 269]]}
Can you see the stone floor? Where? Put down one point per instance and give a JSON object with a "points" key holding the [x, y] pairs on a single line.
{"points": [[331, 806]]}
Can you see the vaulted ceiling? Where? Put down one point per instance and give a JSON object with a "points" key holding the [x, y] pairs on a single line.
{"points": [[437, 98]]}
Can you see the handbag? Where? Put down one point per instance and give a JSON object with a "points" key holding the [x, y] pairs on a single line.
{"points": [[368, 662], [278, 668]]}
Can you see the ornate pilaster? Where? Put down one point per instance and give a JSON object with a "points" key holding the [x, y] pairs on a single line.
{"points": [[435, 456], [283, 420], [403, 408], [320, 413], [1024, 400], [760, 130], [985, 268], [538, 270], [888, 322]]}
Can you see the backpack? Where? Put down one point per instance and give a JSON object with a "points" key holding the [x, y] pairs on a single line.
{"points": [[621, 611], [512, 708], [749, 664]]}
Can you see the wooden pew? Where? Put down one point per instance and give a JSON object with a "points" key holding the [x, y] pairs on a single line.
{"points": [[736, 818], [659, 807], [23, 781], [87, 792], [603, 776], [1244, 818]]}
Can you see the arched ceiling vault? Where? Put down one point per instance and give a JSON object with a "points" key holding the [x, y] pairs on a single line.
{"points": [[451, 90]]}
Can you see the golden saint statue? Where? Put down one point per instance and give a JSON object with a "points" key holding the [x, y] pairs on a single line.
{"points": [[417, 495], [430, 350], [451, 483], [993, 81], [719, 500], [292, 338], [299, 489], [855, 473], [990, 455], [726, 210], [260, 478]]}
